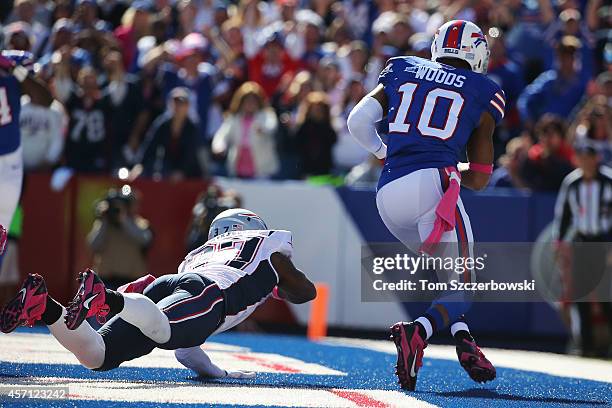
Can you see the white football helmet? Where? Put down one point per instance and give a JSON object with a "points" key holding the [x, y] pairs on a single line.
{"points": [[463, 40], [235, 219]]}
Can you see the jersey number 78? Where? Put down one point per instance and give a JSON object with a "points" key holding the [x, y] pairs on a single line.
{"points": [[430, 104]]}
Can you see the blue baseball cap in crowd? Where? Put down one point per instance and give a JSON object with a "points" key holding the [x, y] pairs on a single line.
{"points": [[586, 146], [329, 61], [273, 37], [143, 5], [420, 42], [80, 58], [180, 93], [608, 53], [63, 24], [219, 4], [390, 51]]}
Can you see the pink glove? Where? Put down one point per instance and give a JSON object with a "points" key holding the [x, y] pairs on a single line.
{"points": [[275, 294], [3, 238], [6, 64], [137, 286]]}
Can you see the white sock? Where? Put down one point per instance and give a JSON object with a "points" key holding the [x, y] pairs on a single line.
{"points": [[140, 311], [457, 326], [427, 325], [84, 342]]}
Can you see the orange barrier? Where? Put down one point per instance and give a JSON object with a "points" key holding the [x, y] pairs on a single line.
{"points": [[317, 325]]}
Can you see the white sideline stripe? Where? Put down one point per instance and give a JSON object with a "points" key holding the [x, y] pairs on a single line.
{"points": [[39, 348], [559, 365], [119, 391]]}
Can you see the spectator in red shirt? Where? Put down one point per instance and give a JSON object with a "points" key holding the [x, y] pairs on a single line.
{"points": [[550, 159], [134, 25], [271, 66]]}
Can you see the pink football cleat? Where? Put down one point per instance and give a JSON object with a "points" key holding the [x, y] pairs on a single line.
{"points": [[474, 361], [27, 306], [89, 301], [410, 348]]}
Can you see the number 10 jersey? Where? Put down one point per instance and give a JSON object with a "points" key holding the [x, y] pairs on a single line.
{"points": [[433, 110]]}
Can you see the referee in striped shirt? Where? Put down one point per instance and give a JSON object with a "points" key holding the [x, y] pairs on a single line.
{"points": [[583, 218]]}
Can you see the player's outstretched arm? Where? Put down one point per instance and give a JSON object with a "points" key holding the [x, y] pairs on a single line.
{"points": [[195, 359], [293, 285], [479, 151], [33, 87]]}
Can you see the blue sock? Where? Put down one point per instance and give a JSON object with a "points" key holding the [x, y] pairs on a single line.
{"points": [[436, 318], [447, 309]]}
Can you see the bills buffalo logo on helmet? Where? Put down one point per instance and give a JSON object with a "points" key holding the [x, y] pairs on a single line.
{"points": [[480, 38]]}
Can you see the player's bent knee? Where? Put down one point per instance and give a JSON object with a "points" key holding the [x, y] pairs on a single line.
{"points": [[107, 363], [103, 367], [160, 333], [91, 362], [92, 357]]}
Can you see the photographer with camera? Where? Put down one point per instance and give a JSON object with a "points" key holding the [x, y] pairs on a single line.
{"points": [[120, 238], [208, 205]]}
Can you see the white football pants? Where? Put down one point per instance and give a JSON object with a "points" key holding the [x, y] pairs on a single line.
{"points": [[407, 206]]}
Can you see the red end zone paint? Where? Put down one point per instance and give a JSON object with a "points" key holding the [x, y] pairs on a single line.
{"points": [[265, 363], [362, 400]]}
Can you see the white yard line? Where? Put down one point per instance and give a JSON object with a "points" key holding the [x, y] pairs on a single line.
{"points": [[118, 391], [41, 348]]}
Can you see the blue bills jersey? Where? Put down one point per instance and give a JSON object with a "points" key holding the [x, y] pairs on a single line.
{"points": [[433, 110], [10, 107]]}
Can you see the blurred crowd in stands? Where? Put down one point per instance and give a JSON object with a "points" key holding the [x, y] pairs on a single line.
{"points": [[261, 89]]}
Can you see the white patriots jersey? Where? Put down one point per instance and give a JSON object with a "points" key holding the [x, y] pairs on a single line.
{"points": [[239, 263]]}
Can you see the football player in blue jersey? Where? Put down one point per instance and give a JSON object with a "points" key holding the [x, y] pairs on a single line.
{"points": [[15, 79], [437, 109]]}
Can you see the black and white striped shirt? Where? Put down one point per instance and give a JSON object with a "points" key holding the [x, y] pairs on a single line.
{"points": [[584, 206]]}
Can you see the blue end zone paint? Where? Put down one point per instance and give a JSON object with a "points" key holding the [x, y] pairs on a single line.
{"points": [[441, 382]]}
